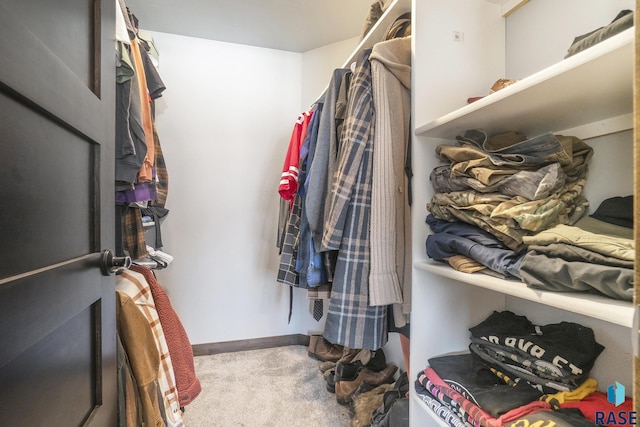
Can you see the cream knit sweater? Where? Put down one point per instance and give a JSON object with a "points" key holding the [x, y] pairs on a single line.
{"points": [[390, 275]]}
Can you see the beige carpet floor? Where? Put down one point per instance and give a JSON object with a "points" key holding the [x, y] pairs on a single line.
{"points": [[274, 387]]}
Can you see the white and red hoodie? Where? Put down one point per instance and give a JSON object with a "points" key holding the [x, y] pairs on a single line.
{"points": [[289, 178]]}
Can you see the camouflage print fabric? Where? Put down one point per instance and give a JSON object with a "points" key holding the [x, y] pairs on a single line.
{"points": [[511, 218]]}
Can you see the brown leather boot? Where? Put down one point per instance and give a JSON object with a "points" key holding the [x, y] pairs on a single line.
{"points": [[323, 350], [325, 366], [350, 355], [346, 389]]}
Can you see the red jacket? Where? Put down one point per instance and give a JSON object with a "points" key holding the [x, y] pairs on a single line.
{"points": [[180, 351], [289, 178]]}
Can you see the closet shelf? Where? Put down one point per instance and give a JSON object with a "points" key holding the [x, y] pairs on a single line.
{"points": [[594, 85], [598, 307], [427, 410], [380, 28], [378, 31], [509, 6]]}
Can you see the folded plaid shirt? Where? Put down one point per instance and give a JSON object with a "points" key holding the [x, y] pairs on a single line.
{"points": [[130, 233]]}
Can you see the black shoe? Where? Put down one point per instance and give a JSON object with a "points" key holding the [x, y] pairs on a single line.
{"points": [[378, 361], [329, 377], [350, 371], [347, 371]]}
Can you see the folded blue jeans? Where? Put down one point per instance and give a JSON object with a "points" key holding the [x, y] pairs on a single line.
{"points": [[513, 149]]}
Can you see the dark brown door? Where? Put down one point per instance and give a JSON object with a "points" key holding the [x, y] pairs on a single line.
{"points": [[57, 316]]}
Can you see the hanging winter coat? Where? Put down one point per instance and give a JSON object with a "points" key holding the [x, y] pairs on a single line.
{"points": [[351, 321]]}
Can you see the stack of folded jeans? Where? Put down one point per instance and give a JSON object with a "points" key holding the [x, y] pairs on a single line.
{"points": [[596, 255], [511, 186]]}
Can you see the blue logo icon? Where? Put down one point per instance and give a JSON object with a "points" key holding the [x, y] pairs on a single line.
{"points": [[616, 394]]}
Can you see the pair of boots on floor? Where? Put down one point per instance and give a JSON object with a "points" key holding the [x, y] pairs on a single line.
{"points": [[349, 372]]}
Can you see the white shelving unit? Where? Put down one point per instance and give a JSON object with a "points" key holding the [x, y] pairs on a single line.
{"points": [[598, 307], [560, 97], [589, 95]]}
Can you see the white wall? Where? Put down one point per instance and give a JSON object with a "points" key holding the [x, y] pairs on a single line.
{"points": [[531, 47], [318, 65], [224, 123]]}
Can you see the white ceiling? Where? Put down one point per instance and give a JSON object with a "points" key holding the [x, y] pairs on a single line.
{"points": [[292, 25]]}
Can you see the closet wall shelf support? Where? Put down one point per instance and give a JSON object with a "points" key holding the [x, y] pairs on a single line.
{"points": [[598, 307], [555, 98]]}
